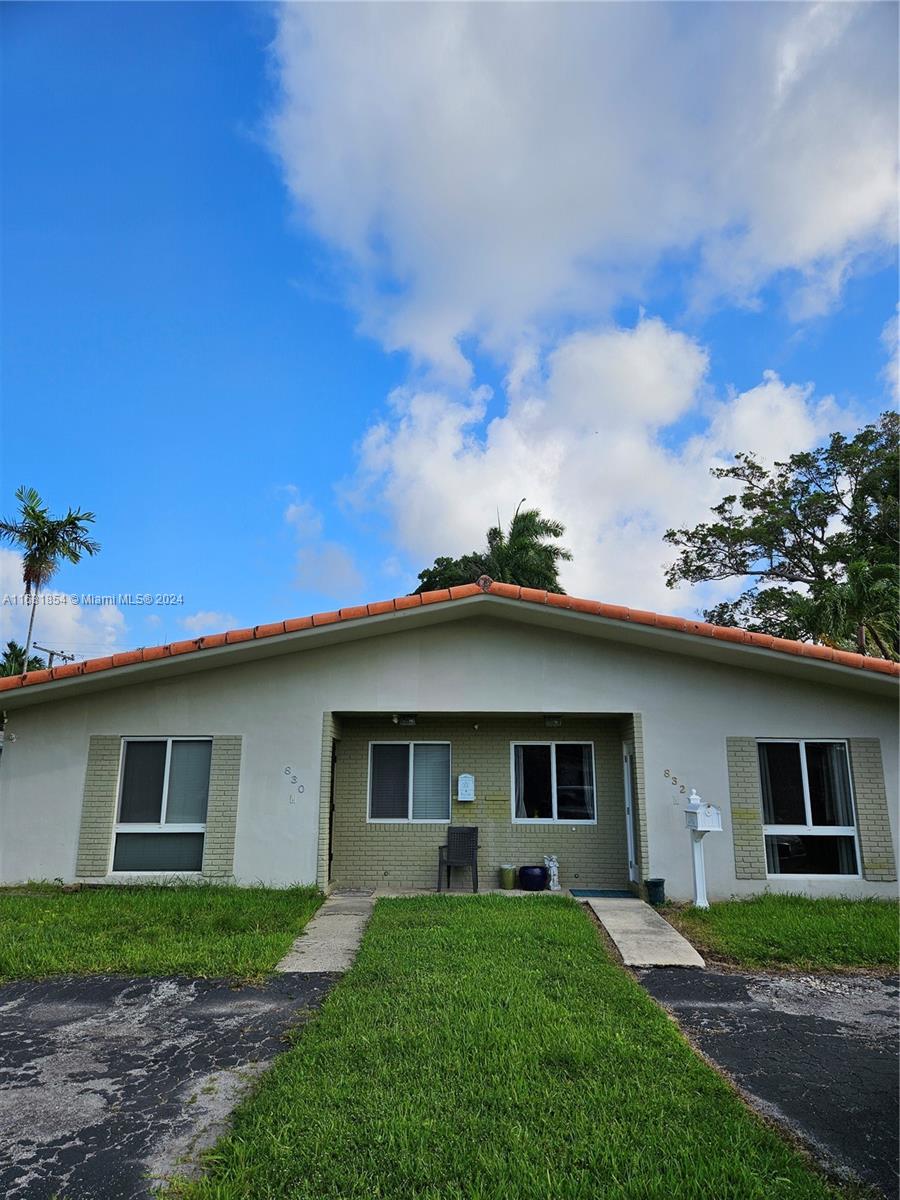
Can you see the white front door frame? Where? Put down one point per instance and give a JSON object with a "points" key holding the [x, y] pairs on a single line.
{"points": [[630, 802]]}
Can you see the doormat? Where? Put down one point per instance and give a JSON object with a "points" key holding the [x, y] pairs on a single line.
{"points": [[595, 893]]}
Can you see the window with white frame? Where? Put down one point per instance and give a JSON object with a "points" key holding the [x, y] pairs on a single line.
{"points": [[409, 781], [553, 781], [162, 804], [808, 818]]}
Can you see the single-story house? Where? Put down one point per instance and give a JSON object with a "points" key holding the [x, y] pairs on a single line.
{"points": [[330, 749]]}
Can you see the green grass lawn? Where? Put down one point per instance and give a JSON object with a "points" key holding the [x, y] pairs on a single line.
{"points": [[205, 931], [795, 931], [487, 1048]]}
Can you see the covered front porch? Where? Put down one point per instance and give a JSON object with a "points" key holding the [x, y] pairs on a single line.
{"points": [[568, 784]]}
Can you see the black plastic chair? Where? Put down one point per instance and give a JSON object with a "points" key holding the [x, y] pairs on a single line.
{"points": [[460, 850]]}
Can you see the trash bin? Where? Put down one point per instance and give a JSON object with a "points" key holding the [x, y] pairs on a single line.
{"points": [[656, 891], [507, 876]]}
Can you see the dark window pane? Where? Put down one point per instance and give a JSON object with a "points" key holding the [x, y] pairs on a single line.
{"points": [[188, 783], [810, 855], [782, 783], [574, 783], [829, 783], [390, 782], [534, 796], [431, 782], [158, 852], [142, 782]]}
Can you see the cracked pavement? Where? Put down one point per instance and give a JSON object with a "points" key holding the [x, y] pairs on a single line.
{"points": [[815, 1053], [108, 1085]]}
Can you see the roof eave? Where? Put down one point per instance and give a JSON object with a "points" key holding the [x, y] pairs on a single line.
{"points": [[655, 637]]}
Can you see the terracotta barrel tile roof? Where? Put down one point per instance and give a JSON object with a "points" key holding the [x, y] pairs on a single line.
{"points": [[507, 591]]}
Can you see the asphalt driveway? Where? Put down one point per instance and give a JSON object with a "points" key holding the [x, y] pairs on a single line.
{"points": [[108, 1084], [817, 1053]]}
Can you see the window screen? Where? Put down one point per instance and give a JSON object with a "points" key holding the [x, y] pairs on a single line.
{"points": [[389, 784], [431, 782], [805, 855], [158, 852], [188, 783], [534, 783], [782, 783], [829, 783], [574, 783], [142, 782]]}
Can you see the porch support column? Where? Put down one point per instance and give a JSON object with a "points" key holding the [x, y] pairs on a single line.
{"points": [[640, 800], [331, 730]]}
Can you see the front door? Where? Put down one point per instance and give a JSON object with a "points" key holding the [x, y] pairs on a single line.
{"points": [[630, 773]]}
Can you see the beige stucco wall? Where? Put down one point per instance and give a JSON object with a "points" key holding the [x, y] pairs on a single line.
{"points": [[381, 854], [474, 665]]}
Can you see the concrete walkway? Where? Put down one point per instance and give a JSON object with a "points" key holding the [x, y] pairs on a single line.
{"points": [[641, 936], [331, 939]]}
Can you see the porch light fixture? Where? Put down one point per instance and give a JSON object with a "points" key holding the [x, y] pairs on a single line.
{"points": [[405, 719], [553, 722]]}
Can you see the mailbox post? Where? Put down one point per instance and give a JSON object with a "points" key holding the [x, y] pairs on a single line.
{"points": [[701, 819]]}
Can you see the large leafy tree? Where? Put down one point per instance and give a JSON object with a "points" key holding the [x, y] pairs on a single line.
{"points": [[817, 537], [13, 658], [526, 554], [45, 542]]}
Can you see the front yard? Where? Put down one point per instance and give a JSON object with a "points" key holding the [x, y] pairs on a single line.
{"points": [[488, 1048], [794, 931], [204, 931]]}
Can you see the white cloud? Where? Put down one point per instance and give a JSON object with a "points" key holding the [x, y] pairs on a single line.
{"points": [[586, 442], [85, 630], [508, 173], [305, 519], [324, 567], [486, 170], [208, 621], [328, 569]]}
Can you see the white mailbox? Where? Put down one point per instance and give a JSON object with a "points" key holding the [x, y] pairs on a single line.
{"points": [[465, 788], [705, 817], [700, 819]]}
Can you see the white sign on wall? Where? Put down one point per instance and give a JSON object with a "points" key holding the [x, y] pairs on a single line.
{"points": [[465, 787]]}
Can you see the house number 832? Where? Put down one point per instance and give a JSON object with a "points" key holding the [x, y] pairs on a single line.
{"points": [[673, 779]]}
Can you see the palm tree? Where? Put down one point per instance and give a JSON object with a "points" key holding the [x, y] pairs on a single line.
{"points": [[44, 542], [859, 607], [14, 656], [524, 555]]}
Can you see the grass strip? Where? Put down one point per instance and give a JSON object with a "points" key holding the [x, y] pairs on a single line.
{"points": [[206, 931], [795, 931]]}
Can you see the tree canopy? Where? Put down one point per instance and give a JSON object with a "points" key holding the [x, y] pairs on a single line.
{"points": [[817, 537], [14, 656], [525, 554]]}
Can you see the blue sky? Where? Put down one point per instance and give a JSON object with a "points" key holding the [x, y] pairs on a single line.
{"points": [[294, 307]]}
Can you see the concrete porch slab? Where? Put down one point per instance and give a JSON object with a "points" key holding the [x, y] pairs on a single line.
{"points": [[329, 943], [641, 936], [389, 893]]}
